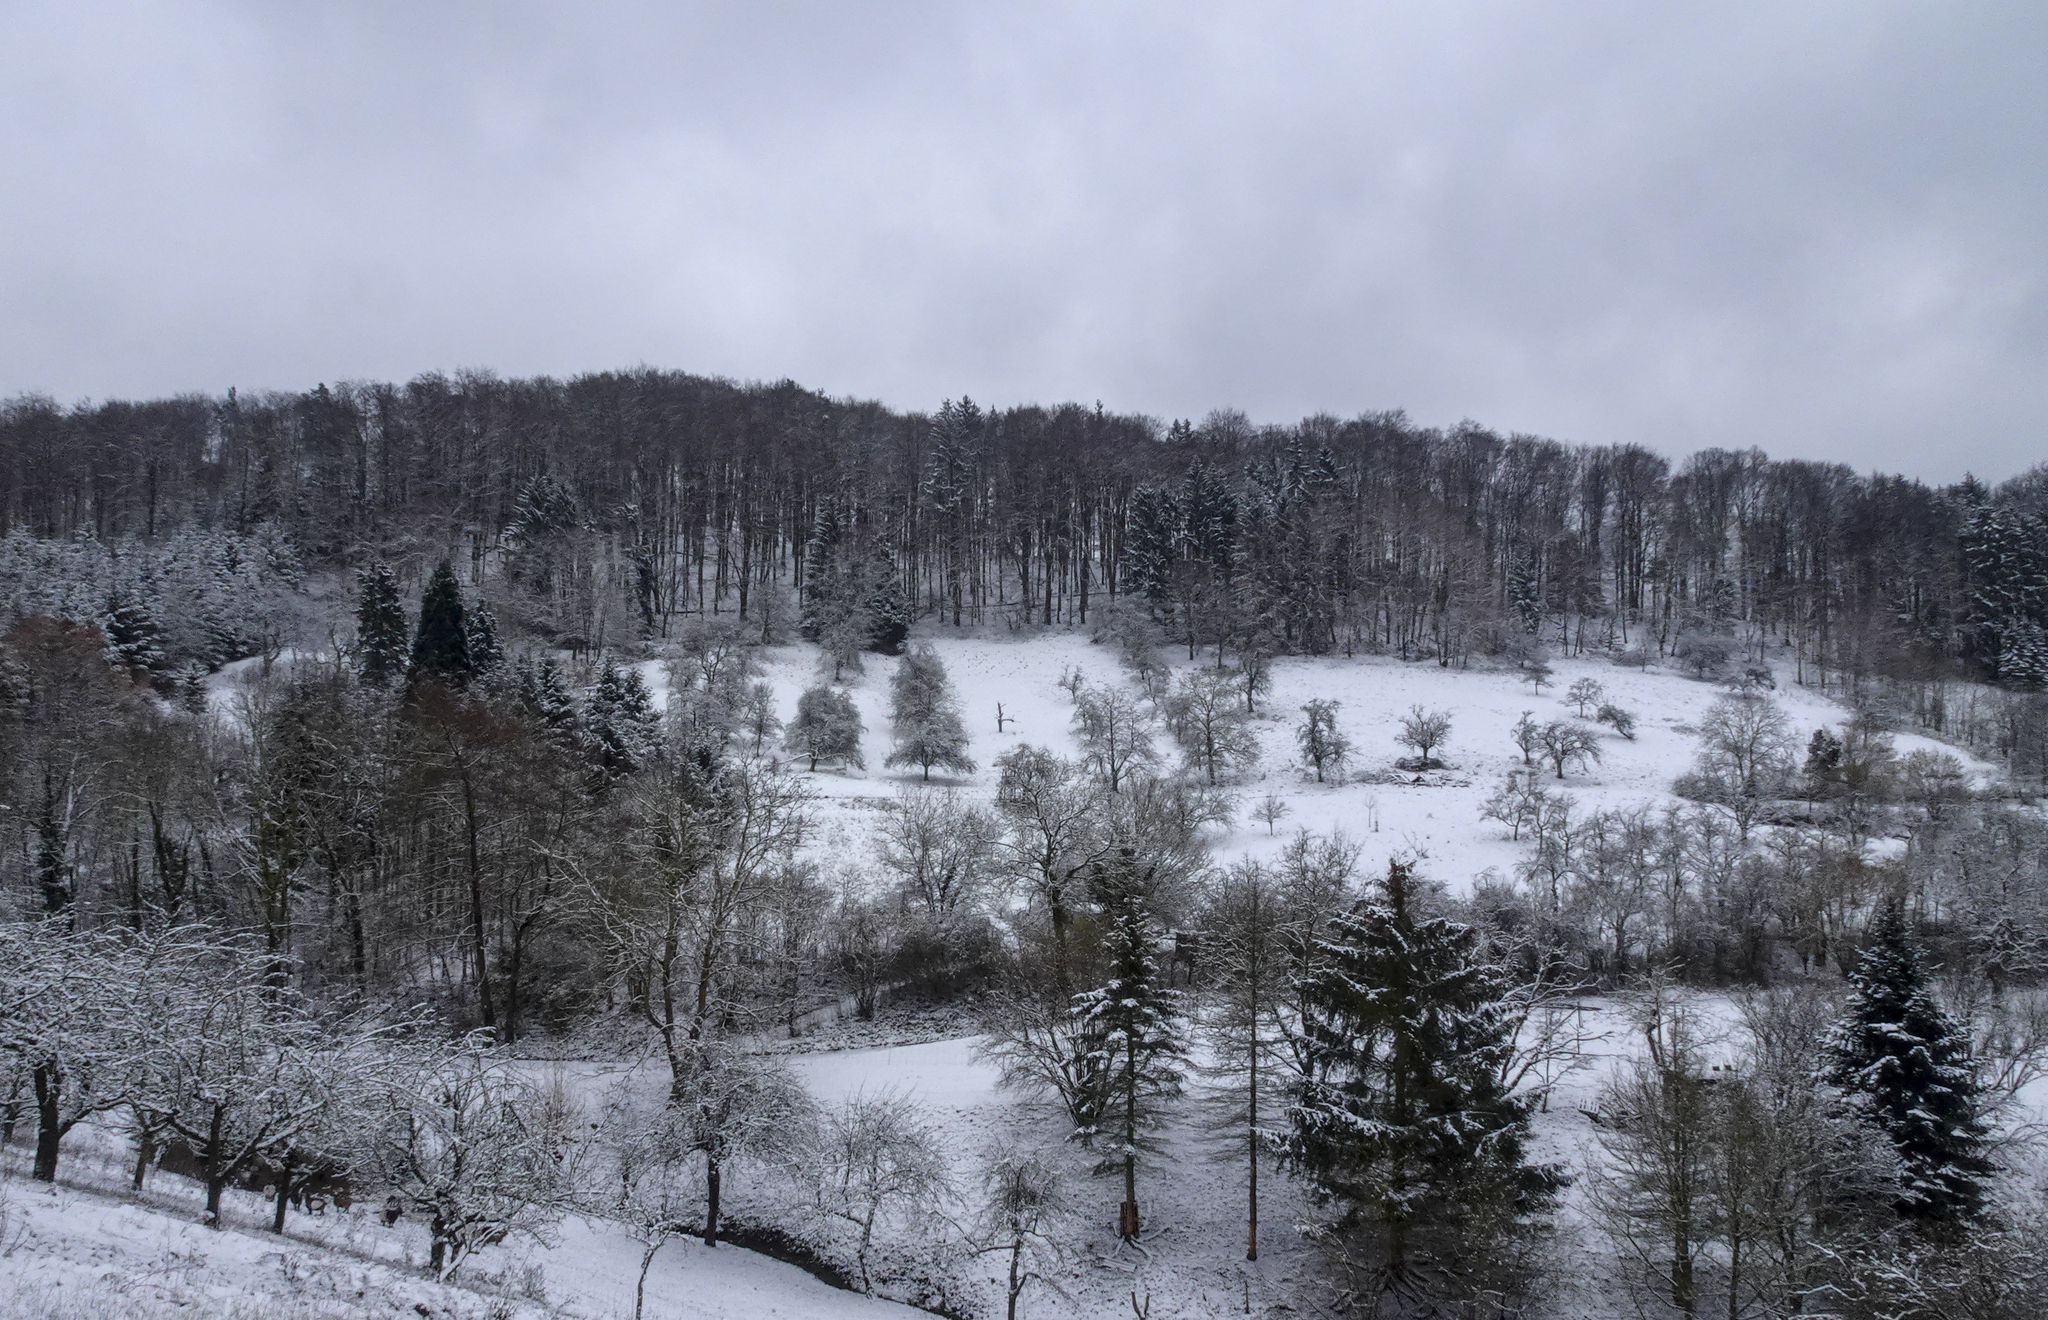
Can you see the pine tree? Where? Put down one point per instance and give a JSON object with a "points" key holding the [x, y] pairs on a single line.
{"points": [[1134, 1049], [925, 717], [440, 648], [380, 626], [1904, 1065], [1401, 1115], [827, 727]]}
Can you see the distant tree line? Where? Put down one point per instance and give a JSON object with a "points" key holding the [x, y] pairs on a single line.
{"points": [[611, 504]]}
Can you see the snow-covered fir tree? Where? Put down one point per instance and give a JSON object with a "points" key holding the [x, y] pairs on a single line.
{"points": [[1904, 1066], [544, 695], [621, 726], [380, 626], [1400, 1118], [440, 646], [486, 652], [1130, 1028]]}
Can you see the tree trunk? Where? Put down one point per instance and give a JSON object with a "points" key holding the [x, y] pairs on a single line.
{"points": [[49, 1082], [284, 1193], [216, 1176], [476, 904], [711, 1180]]}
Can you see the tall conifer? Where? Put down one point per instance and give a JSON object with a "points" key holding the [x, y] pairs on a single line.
{"points": [[440, 649], [380, 626], [1904, 1065]]}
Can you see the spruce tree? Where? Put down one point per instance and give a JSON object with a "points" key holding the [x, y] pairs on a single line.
{"points": [[544, 695], [380, 626], [925, 717], [1904, 1065], [1401, 1116], [1134, 1051], [135, 640], [440, 648], [486, 652], [621, 723]]}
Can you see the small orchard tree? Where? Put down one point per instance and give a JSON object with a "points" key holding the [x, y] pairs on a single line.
{"points": [[1537, 674], [1253, 677], [649, 1191], [1585, 692], [1271, 811], [67, 1027], [1116, 738], [469, 1139], [877, 1154], [1528, 736], [1022, 1198], [1203, 717], [1424, 731], [1563, 743], [925, 716], [1621, 721], [728, 1105], [1323, 746], [827, 727]]}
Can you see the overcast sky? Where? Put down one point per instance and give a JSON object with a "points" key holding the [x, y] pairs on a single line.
{"points": [[1819, 228]]}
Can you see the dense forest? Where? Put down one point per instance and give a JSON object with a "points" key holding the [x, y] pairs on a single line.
{"points": [[612, 504]]}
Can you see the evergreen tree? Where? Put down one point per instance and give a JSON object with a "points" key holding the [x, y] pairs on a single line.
{"points": [[827, 727], [544, 696], [1823, 760], [1401, 1116], [486, 653], [885, 607], [621, 724], [1134, 1051], [440, 648], [380, 626], [1905, 1067], [925, 717], [135, 640]]}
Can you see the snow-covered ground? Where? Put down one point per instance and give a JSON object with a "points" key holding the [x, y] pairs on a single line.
{"points": [[88, 1249], [1379, 807]]}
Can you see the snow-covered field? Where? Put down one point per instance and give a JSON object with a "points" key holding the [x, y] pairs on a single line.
{"points": [[1436, 822]]}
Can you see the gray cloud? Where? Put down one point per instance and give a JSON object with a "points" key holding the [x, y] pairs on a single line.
{"points": [[1818, 228]]}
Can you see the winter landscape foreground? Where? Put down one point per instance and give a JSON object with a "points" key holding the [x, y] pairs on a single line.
{"points": [[88, 1246]]}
